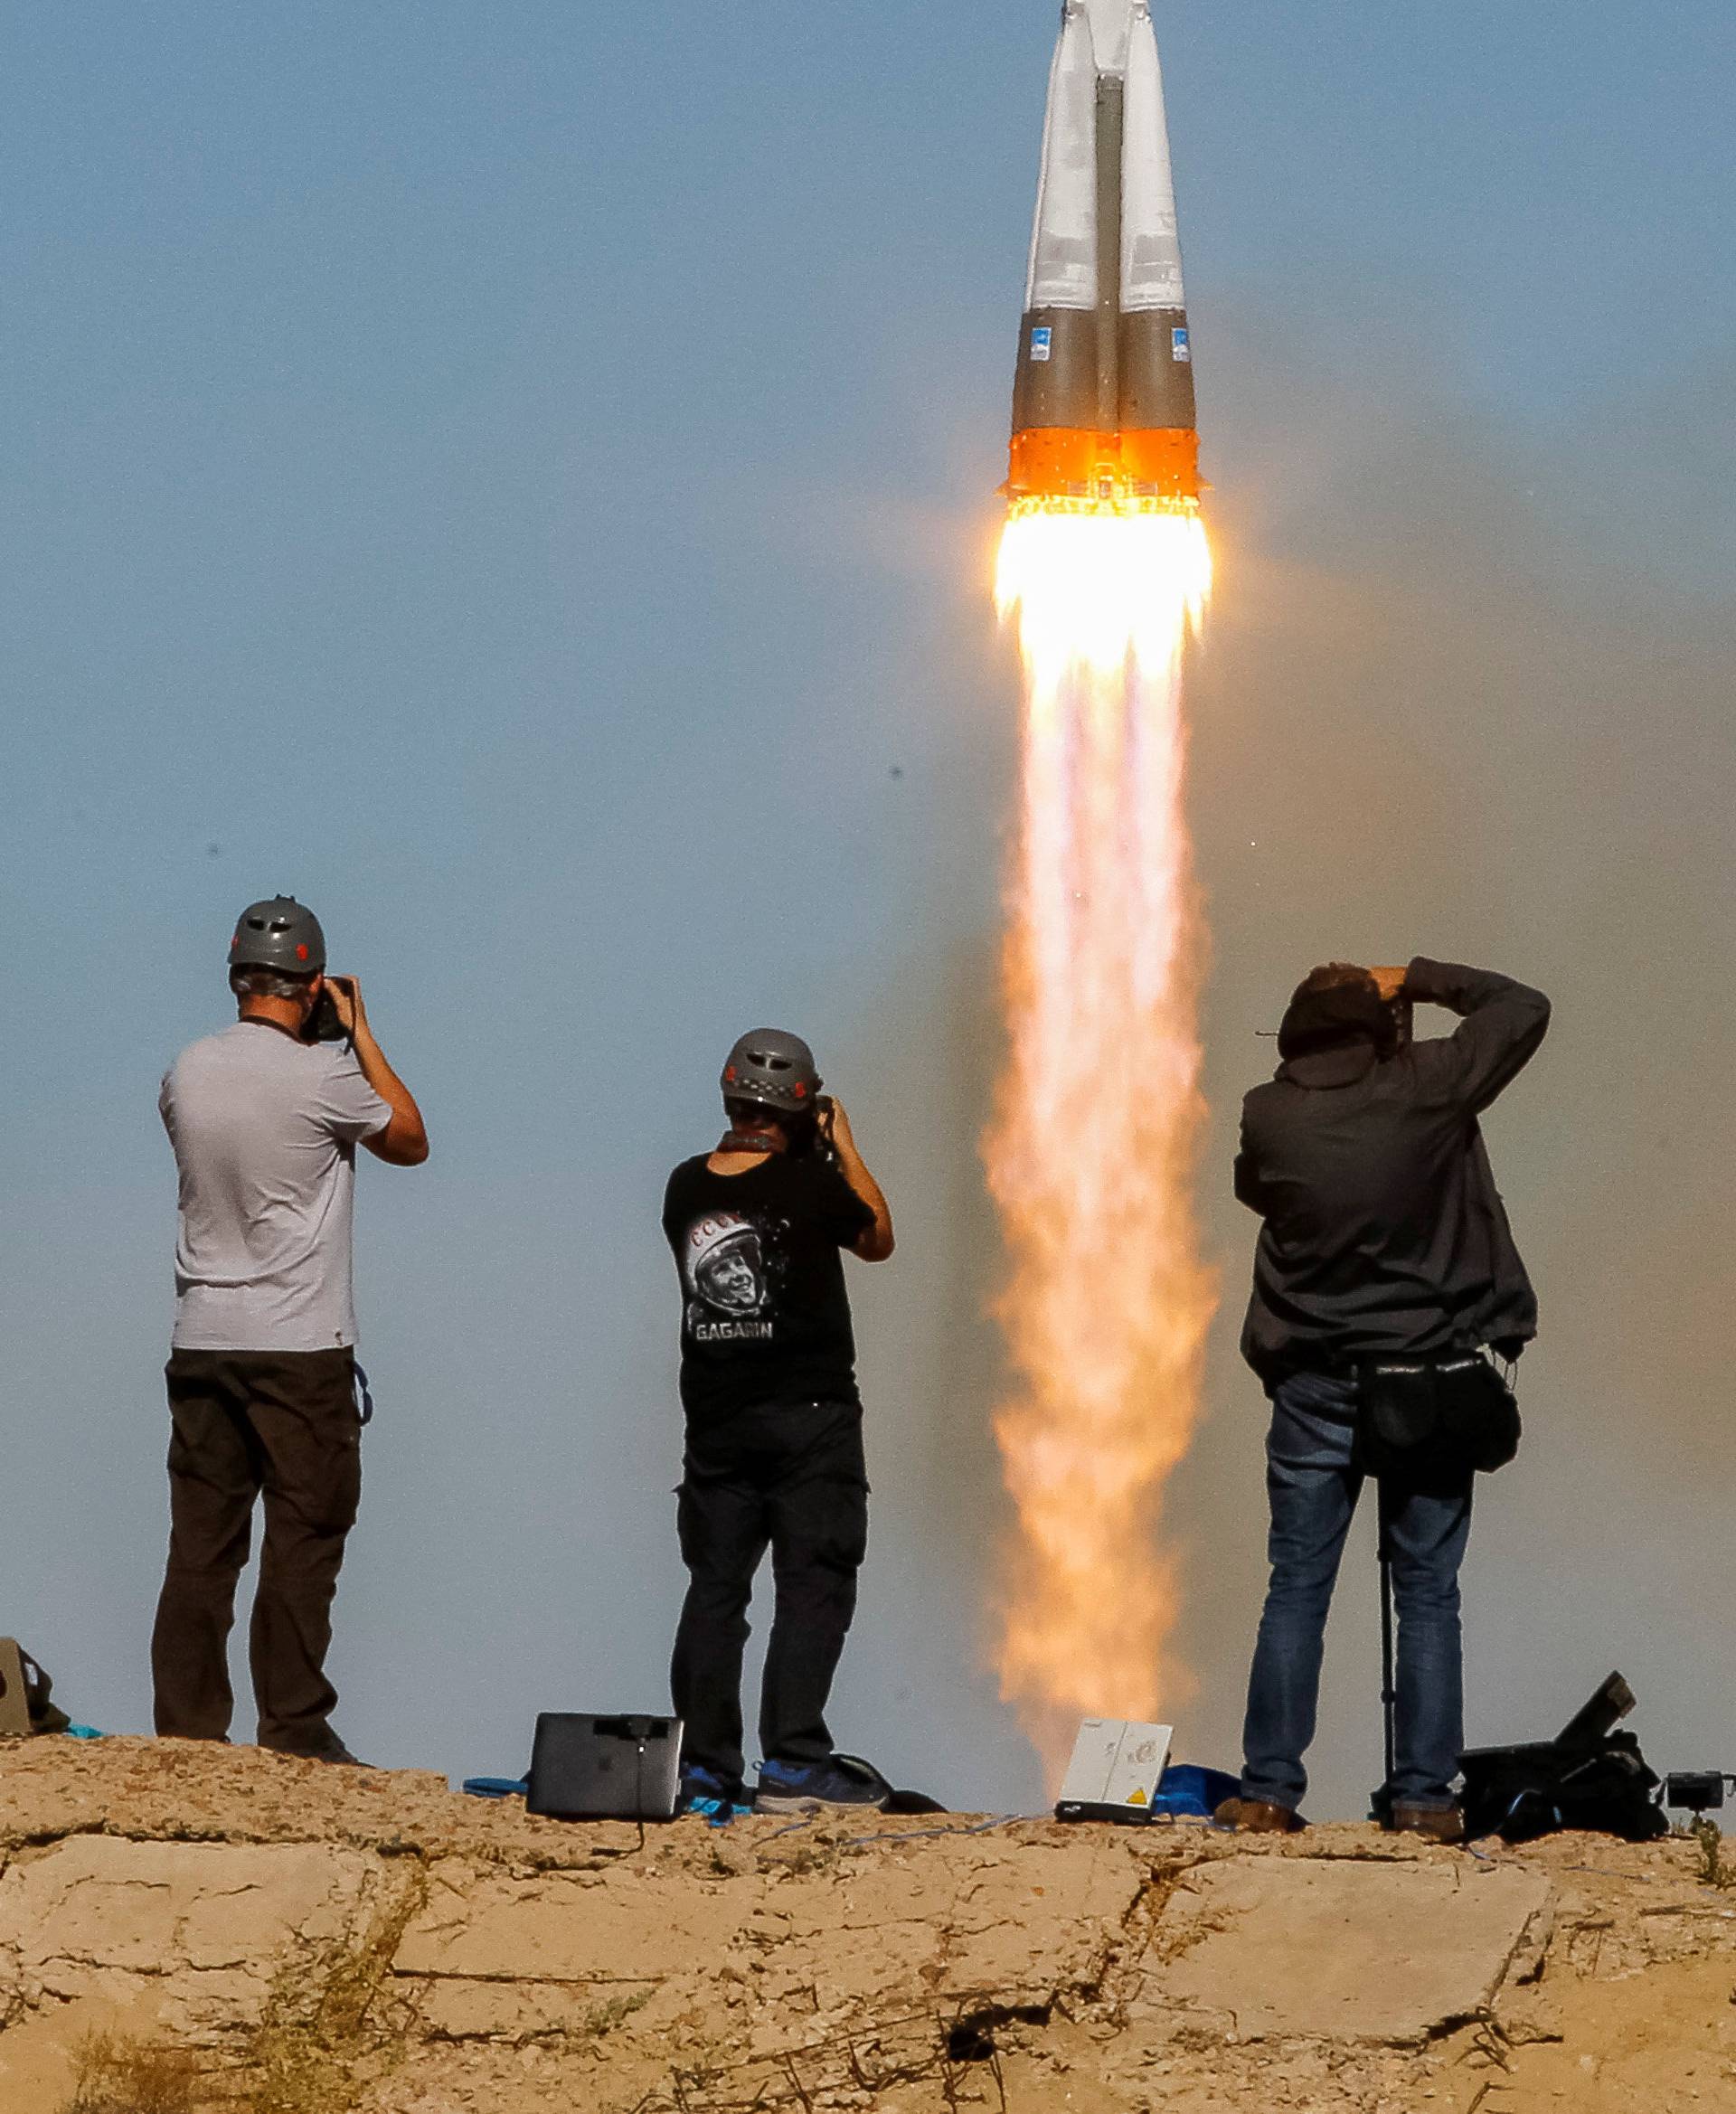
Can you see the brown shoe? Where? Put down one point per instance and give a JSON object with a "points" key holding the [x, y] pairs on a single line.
{"points": [[1255, 1817], [1437, 1823]]}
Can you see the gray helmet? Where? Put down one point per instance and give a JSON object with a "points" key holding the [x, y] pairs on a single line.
{"points": [[279, 934], [774, 1068]]}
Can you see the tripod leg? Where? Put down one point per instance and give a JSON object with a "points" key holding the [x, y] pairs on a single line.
{"points": [[1388, 1689]]}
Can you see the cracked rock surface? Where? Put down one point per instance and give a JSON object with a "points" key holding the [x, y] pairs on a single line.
{"points": [[438, 1955], [1358, 1951]]}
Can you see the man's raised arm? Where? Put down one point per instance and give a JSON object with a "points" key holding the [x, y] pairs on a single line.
{"points": [[876, 1243], [404, 1143], [1502, 1023]]}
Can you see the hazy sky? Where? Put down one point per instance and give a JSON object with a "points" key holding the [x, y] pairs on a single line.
{"points": [[522, 478]]}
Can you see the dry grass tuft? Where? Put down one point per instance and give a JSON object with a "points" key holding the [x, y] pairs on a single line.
{"points": [[322, 2022], [118, 2075], [1709, 1835], [328, 2025]]}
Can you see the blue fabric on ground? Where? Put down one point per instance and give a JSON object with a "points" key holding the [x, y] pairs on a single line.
{"points": [[716, 1812], [1191, 1793], [496, 1786]]}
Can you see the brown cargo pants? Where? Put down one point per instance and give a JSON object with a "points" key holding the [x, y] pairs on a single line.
{"points": [[247, 1424]]}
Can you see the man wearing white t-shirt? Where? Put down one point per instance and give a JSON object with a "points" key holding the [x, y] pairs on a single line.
{"points": [[265, 1119]]}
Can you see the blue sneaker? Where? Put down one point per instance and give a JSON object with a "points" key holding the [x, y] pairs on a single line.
{"points": [[704, 1793], [819, 1786]]}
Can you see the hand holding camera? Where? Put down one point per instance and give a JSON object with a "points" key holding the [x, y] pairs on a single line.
{"points": [[336, 1014], [1389, 984], [345, 994], [827, 1116], [836, 1137]]}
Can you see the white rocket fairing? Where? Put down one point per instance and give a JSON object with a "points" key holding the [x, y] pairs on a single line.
{"points": [[1103, 399]]}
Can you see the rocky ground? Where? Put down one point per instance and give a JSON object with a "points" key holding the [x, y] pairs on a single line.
{"points": [[184, 1927]]}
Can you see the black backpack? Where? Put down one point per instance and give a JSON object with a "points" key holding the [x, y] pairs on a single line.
{"points": [[1589, 1777]]}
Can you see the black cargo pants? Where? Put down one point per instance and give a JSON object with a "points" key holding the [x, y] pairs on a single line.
{"points": [[247, 1424], [790, 1477]]}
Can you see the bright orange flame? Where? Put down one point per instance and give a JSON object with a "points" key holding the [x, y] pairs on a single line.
{"points": [[1090, 1153]]}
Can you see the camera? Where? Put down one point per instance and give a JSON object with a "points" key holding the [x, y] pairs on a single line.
{"points": [[1696, 1790], [322, 1025], [1400, 1023], [810, 1136], [822, 1142]]}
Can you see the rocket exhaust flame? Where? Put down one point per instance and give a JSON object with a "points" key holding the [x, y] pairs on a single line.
{"points": [[1091, 1149], [1104, 563]]}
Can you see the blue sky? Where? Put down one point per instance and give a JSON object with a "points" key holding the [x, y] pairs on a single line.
{"points": [[523, 479]]}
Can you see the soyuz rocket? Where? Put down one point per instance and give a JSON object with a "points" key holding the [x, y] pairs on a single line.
{"points": [[1103, 399]]}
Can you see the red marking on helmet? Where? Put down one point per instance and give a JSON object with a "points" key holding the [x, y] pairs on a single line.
{"points": [[801, 1090], [729, 1071], [301, 951]]}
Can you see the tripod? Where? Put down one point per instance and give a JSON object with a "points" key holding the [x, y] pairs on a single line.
{"points": [[1381, 1806]]}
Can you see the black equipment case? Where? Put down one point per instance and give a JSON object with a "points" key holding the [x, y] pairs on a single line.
{"points": [[586, 1768]]}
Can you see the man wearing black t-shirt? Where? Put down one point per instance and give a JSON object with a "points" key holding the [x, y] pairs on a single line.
{"points": [[774, 1453]]}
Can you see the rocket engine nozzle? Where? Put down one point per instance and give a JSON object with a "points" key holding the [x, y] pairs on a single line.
{"points": [[1068, 462]]}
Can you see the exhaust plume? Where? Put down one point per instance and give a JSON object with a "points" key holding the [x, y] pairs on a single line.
{"points": [[1091, 1153]]}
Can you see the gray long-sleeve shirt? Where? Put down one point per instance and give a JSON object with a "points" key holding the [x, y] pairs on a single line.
{"points": [[1384, 1230]]}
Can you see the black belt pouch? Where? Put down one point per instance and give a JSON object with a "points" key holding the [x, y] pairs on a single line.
{"points": [[1431, 1422]]}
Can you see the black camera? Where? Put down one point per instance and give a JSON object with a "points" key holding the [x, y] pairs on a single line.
{"points": [[322, 1025], [810, 1135], [1696, 1790], [1400, 1024], [824, 1142]]}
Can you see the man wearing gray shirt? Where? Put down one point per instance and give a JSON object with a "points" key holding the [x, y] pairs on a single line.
{"points": [[265, 1119]]}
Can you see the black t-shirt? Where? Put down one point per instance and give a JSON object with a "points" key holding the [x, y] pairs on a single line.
{"points": [[765, 1317]]}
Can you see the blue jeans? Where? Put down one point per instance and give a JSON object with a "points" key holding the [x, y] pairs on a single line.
{"points": [[1313, 1488]]}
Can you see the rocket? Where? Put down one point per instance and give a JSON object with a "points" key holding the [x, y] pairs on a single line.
{"points": [[1103, 397]]}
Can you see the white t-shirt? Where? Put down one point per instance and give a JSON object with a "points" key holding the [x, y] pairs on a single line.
{"points": [[265, 1129]]}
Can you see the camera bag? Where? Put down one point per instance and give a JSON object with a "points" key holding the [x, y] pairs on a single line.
{"points": [[25, 1690], [1429, 1421], [1590, 1776]]}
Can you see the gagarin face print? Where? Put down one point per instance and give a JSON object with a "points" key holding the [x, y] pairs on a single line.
{"points": [[724, 1272]]}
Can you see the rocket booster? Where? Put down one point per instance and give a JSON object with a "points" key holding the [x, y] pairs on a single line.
{"points": [[1103, 399]]}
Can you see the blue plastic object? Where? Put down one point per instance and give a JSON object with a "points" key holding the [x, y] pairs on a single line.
{"points": [[1188, 1792], [710, 1799], [717, 1812], [495, 1786]]}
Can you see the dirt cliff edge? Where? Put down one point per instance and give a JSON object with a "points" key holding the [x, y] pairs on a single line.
{"points": [[281, 1938]]}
